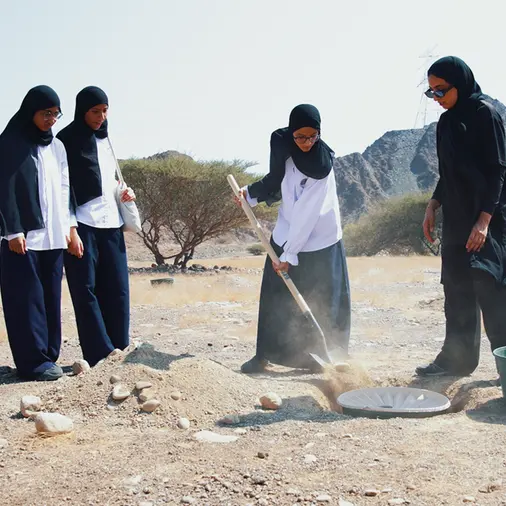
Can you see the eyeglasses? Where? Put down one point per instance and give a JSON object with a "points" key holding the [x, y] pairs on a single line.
{"points": [[438, 93], [302, 139], [51, 115]]}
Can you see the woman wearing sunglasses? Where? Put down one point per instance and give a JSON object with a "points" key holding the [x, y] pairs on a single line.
{"points": [[34, 206], [98, 280], [472, 164], [307, 238]]}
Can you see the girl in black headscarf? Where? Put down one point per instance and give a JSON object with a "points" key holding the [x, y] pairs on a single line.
{"points": [[307, 238], [472, 164], [34, 207], [98, 281]]}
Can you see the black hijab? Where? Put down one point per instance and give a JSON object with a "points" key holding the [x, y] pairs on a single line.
{"points": [[80, 142], [316, 163], [19, 199], [457, 73]]}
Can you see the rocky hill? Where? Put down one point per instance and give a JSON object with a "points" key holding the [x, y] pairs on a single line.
{"points": [[399, 162]]}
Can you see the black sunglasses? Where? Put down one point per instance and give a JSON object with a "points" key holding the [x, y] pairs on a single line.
{"points": [[438, 93]]}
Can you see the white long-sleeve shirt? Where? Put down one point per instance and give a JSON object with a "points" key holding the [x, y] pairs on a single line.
{"points": [[103, 211], [54, 193], [309, 217]]}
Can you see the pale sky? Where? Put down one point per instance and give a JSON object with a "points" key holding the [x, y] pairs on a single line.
{"points": [[213, 78]]}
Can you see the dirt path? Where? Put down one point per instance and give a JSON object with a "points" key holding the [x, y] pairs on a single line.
{"points": [[195, 334]]}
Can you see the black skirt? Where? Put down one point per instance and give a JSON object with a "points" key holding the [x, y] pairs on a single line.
{"points": [[284, 335]]}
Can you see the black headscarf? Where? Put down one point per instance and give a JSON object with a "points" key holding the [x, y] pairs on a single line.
{"points": [[80, 142], [19, 198], [457, 73], [316, 163]]}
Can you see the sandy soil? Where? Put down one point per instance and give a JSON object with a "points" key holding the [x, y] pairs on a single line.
{"points": [[191, 338]]}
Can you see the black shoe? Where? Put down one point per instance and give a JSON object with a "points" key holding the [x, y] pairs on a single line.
{"points": [[432, 370], [255, 365], [52, 374]]}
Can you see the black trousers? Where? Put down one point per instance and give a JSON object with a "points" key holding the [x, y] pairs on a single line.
{"points": [[31, 298], [98, 285], [467, 291]]}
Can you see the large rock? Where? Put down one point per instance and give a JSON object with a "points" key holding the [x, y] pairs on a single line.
{"points": [[53, 423]]}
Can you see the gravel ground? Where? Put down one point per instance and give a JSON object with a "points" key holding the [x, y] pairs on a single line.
{"points": [[189, 340]]}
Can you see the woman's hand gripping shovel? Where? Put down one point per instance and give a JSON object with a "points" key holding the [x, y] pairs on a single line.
{"points": [[306, 311]]}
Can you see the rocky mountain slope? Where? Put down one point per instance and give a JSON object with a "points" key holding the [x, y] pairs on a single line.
{"points": [[399, 162]]}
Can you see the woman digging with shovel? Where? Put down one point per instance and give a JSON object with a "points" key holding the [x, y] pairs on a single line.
{"points": [[307, 238]]}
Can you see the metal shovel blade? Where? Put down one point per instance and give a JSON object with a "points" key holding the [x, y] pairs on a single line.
{"points": [[338, 366]]}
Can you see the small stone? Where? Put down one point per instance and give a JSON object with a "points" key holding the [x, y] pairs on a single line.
{"points": [[263, 502], [371, 492], [230, 420], [114, 379], [241, 432], [150, 406], [80, 366], [3, 443], [310, 459], [212, 437], [348, 436], [259, 480], [141, 385], [176, 396], [146, 503], [114, 353], [100, 383], [491, 487], [187, 499], [323, 498], [147, 395], [53, 423], [396, 502], [271, 400], [183, 423], [469, 499], [342, 502], [30, 405], [262, 455], [120, 392], [410, 487]]}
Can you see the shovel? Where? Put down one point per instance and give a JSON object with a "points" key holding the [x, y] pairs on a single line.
{"points": [[306, 311]]}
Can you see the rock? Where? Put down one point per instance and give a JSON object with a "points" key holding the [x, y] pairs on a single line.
{"points": [[147, 395], [263, 502], [241, 432], [120, 392], [53, 423], [271, 400], [396, 502], [230, 420], [150, 406], [183, 423], [146, 503], [114, 353], [114, 379], [262, 455], [212, 437], [310, 459], [323, 498], [3, 443], [491, 487], [468, 499], [342, 502], [259, 480], [187, 499], [371, 492], [80, 366], [30, 405], [141, 385], [176, 396]]}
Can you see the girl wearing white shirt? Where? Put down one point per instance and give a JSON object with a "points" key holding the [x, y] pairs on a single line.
{"points": [[307, 238], [35, 222], [98, 281]]}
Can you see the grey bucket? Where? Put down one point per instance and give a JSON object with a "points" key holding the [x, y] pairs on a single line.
{"points": [[500, 361]]}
